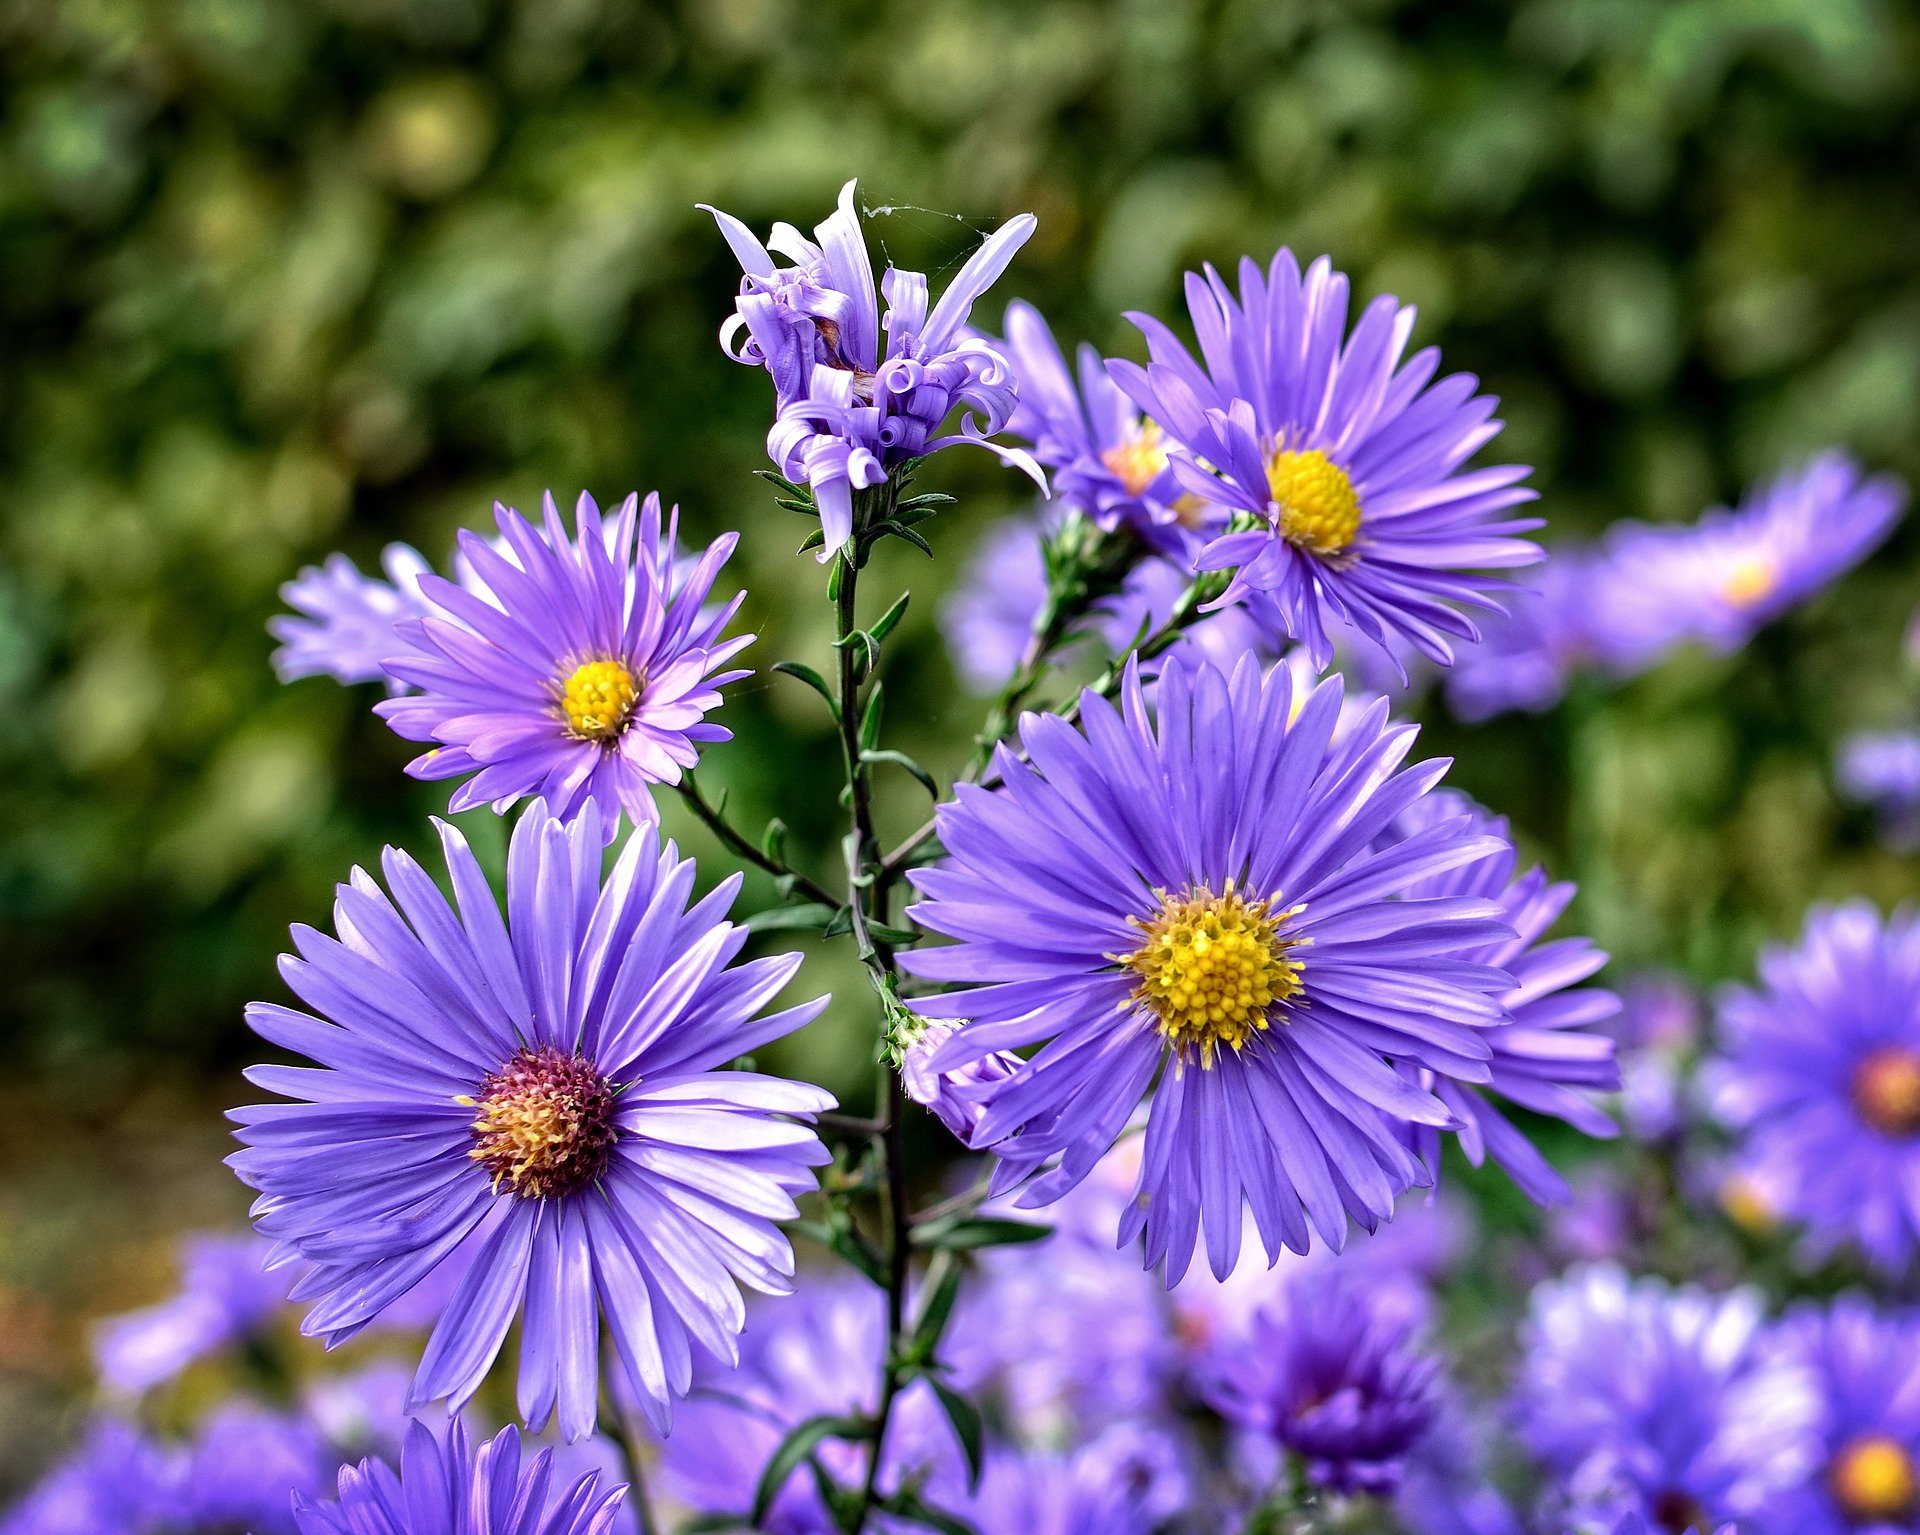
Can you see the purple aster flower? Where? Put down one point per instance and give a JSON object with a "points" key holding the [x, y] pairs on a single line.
{"points": [[1108, 461], [1445, 1489], [1645, 1399], [956, 1098], [819, 1352], [858, 393], [117, 1482], [1866, 1374], [1548, 1058], [1345, 458], [584, 680], [348, 627], [1204, 897], [245, 1468], [1128, 1481], [449, 1486], [226, 1293], [1723, 579], [1882, 771], [1658, 1030], [1820, 1073], [549, 1084], [1526, 654], [1338, 1378]]}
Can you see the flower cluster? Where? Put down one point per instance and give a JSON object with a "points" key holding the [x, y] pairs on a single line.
{"points": [[1198, 958]]}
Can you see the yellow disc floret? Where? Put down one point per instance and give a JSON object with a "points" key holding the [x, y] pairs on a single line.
{"points": [[1749, 580], [598, 700], [1318, 508], [1886, 1090], [1137, 462], [543, 1124], [1873, 1479], [1211, 968]]}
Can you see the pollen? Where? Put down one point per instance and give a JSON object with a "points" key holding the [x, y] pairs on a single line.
{"points": [[1212, 968], [1886, 1090], [1749, 580], [544, 1125], [1318, 508], [1137, 462], [598, 699], [1873, 1479]]}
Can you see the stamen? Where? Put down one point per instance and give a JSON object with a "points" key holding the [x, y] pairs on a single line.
{"points": [[1211, 968], [1749, 580], [1886, 1090], [598, 699], [1319, 511], [1138, 462], [545, 1124], [1873, 1479]]}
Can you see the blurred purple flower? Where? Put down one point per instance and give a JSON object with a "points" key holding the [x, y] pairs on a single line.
{"points": [[1526, 655], [1820, 1075], [1343, 455], [226, 1294], [1205, 848], [449, 1486], [551, 1082], [583, 673], [857, 393], [1658, 1030], [1721, 580], [1597, 1221], [1337, 1377], [1881, 770], [987, 616], [1547, 1056], [347, 627], [1643, 1399], [1865, 1370], [818, 1352], [1128, 1481]]}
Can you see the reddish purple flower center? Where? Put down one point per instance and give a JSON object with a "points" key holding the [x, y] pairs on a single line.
{"points": [[1886, 1090], [544, 1124], [1678, 1512]]}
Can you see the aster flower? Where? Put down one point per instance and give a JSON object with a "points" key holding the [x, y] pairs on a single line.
{"points": [[1338, 1378], [1346, 461], [1723, 579], [550, 1086], [1659, 1402], [1203, 896], [1658, 1030], [226, 1293], [117, 1482], [584, 679], [347, 628], [956, 1098], [1108, 461], [449, 1486], [819, 1352], [1865, 1369], [1548, 1058], [1882, 771], [1128, 1481], [1526, 655], [1820, 1074], [858, 394]]}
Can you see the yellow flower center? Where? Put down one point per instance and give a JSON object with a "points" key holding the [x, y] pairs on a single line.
{"points": [[1747, 1205], [545, 1123], [1886, 1090], [1210, 968], [1318, 508], [1873, 1479], [1137, 462], [598, 700], [1750, 579]]}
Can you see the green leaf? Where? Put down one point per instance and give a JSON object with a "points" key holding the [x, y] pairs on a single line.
{"points": [[842, 923], [965, 1418], [928, 499], [963, 1233], [899, 937], [780, 481], [870, 722], [812, 541], [847, 1244], [892, 616], [801, 1441], [899, 531], [707, 1524], [935, 1312], [777, 919], [869, 650], [902, 760], [836, 573], [812, 679], [774, 842]]}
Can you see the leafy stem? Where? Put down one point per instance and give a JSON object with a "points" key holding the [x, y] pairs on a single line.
{"points": [[714, 818]]}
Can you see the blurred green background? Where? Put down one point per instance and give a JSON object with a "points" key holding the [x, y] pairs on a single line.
{"points": [[284, 276]]}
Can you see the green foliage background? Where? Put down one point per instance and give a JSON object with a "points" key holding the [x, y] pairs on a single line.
{"points": [[281, 276]]}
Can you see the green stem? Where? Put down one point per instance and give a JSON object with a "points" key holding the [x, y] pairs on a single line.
{"points": [[714, 819]]}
